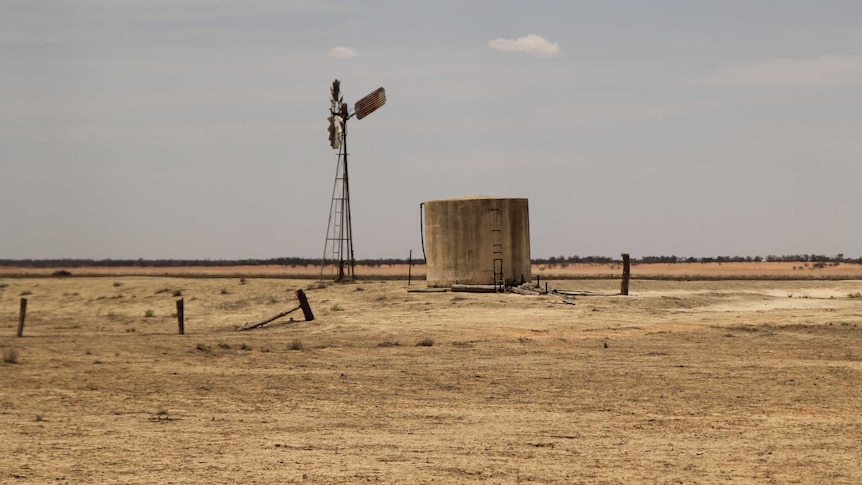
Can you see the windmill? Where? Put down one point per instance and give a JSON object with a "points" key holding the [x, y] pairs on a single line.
{"points": [[338, 248]]}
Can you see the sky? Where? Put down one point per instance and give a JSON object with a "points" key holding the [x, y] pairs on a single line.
{"points": [[196, 129]]}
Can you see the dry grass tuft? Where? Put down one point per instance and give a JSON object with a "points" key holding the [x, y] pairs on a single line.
{"points": [[10, 356], [425, 342]]}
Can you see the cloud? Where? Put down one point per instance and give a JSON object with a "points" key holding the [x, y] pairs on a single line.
{"points": [[342, 52], [815, 72], [532, 44]]}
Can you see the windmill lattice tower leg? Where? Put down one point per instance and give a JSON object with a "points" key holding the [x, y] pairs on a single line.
{"points": [[338, 262]]}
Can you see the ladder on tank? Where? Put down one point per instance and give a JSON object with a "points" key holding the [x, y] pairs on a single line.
{"points": [[497, 247]]}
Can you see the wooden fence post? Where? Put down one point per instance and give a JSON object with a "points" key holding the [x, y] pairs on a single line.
{"points": [[303, 303], [181, 316], [22, 314], [624, 287]]}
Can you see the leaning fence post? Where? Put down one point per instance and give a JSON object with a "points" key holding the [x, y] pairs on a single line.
{"points": [[22, 314], [181, 316], [624, 286], [306, 308]]}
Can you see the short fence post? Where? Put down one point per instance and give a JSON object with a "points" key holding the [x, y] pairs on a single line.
{"points": [[409, 267], [624, 287], [22, 314], [181, 316], [306, 308]]}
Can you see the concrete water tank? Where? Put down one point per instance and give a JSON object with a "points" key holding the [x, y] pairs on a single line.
{"points": [[477, 240]]}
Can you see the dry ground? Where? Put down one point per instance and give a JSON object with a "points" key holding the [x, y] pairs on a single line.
{"points": [[689, 382], [582, 270]]}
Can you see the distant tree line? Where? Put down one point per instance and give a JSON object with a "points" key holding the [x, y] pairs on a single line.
{"points": [[168, 263], [792, 258], [293, 262], [156, 263]]}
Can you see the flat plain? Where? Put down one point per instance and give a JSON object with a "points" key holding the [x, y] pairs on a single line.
{"points": [[746, 381]]}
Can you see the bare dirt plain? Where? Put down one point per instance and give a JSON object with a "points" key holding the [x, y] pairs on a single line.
{"points": [[681, 382], [791, 270]]}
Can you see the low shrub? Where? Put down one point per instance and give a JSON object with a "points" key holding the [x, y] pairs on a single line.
{"points": [[10, 356]]}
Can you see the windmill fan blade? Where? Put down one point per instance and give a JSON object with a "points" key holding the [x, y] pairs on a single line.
{"points": [[335, 93], [370, 103]]}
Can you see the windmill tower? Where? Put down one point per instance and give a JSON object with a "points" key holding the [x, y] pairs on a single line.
{"points": [[338, 261]]}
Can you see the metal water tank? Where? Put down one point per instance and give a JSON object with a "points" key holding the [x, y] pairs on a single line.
{"points": [[477, 240]]}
